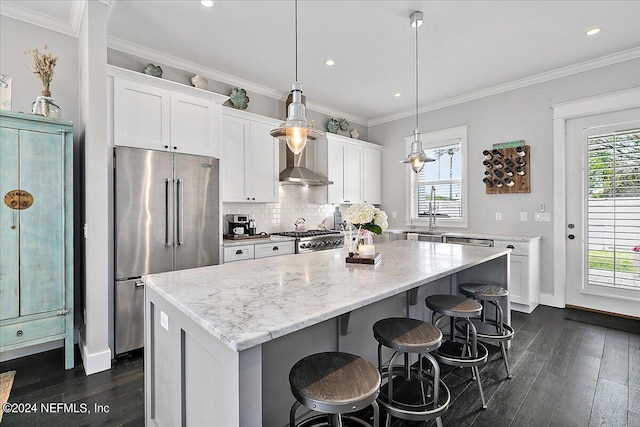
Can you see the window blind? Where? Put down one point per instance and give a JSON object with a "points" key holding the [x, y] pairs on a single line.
{"points": [[613, 208]]}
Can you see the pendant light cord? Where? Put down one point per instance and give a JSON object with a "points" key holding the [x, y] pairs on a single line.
{"points": [[417, 126], [296, 10]]}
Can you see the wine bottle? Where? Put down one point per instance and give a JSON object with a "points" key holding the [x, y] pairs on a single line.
{"points": [[509, 182], [487, 163], [496, 154], [498, 173], [520, 152], [520, 161], [497, 164], [519, 170], [487, 173], [497, 183], [508, 171], [488, 182], [508, 162], [487, 155]]}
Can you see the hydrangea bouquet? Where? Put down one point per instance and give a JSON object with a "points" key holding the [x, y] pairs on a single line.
{"points": [[364, 217], [367, 217]]}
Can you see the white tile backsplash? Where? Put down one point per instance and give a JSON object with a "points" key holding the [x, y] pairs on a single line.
{"points": [[295, 202]]}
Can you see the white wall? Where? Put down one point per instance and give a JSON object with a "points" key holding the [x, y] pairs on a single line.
{"points": [[519, 114], [94, 331]]}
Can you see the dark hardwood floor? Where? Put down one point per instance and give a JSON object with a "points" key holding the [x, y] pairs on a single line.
{"points": [[565, 373]]}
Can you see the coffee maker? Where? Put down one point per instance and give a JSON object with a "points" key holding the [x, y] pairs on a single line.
{"points": [[237, 224]]}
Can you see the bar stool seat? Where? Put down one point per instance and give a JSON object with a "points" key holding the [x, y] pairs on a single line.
{"points": [[462, 350], [334, 383], [493, 331], [410, 391]]}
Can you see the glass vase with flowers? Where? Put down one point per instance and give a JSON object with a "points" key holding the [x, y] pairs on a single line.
{"points": [[367, 220]]}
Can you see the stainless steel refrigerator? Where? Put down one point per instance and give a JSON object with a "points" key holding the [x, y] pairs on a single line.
{"points": [[166, 218]]}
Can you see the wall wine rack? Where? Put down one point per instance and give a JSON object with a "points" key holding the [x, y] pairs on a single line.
{"points": [[506, 170]]}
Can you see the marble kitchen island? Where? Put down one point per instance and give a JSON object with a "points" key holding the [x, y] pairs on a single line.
{"points": [[220, 340]]}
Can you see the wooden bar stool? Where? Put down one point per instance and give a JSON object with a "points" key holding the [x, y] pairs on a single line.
{"points": [[490, 330], [410, 392], [461, 350], [334, 383]]}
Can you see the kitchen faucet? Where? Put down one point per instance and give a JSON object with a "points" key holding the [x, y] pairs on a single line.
{"points": [[432, 206], [299, 221]]}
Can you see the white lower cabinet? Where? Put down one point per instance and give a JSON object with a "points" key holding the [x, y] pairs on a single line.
{"points": [[524, 274], [258, 250]]}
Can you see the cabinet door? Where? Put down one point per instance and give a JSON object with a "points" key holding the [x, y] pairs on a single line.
{"points": [[335, 171], [42, 230], [372, 175], [9, 226], [235, 157], [193, 125], [141, 116], [262, 171], [519, 279], [352, 173]]}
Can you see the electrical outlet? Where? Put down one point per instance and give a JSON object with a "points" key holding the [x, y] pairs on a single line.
{"points": [[541, 207], [498, 216], [543, 216], [164, 320], [394, 215], [523, 216]]}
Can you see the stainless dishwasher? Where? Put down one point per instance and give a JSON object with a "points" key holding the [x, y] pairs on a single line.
{"points": [[469, 241]]}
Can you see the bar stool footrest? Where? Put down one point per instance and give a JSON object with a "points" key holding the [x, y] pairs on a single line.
{"points": [[407, 404], [487, 330], [322, 420], [452, 354]]}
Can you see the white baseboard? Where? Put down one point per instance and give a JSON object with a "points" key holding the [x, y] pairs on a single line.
{"points": [[551, 300], [94, 362], [28, 351]]}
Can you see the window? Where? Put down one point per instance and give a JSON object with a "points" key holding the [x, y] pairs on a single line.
{"points": [[441, 185], [612, 209]]}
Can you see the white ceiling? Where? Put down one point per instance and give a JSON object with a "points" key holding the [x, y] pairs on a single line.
{"points": [[466, 47]]}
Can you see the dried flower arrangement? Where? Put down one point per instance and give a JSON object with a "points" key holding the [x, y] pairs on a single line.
{"points": [[42, 67]]}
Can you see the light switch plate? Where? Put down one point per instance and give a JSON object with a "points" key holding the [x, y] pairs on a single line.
{"points": [[523, 216], [394, 215], [541, 207], [164, 320], [498, 216], [543, 216]]}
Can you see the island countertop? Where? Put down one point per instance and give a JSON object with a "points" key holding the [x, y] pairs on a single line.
{"points": [[249, 303]]}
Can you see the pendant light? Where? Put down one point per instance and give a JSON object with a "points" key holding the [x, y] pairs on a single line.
{"points": [[296, 130], [417, 157]]}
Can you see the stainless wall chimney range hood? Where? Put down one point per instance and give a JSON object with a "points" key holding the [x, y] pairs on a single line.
{"points": [[296, 172]]}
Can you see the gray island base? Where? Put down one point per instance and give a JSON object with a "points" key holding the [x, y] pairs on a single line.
{"points": [[220, 340]]}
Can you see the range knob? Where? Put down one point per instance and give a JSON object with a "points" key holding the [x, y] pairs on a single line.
{"points": [[303, 245]]}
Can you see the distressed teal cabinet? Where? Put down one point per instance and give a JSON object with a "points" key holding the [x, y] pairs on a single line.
{"points": [[36, 232]]}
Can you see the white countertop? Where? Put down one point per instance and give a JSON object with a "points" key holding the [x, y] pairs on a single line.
{"points": [[227, 243], [471, 234], [249, 303]]}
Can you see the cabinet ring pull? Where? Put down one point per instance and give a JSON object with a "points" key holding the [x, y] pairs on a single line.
{"points": [[239, 252], [19, 333], [510, 247]]}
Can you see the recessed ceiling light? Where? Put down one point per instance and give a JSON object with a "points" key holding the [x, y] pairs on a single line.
{"points": [[397, 94], [329, 62], [593, 31], [207, 3]]}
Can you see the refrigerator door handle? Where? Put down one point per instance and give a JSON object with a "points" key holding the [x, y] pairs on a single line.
{"points": [[168, 213], [180, 197]]}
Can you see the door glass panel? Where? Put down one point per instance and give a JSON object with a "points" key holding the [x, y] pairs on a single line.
{"points": [[613, 209]]}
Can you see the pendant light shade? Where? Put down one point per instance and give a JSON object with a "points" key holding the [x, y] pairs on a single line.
{"points": [[416, 157], [296, 130]]}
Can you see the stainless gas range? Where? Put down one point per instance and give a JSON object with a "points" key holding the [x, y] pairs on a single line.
{"points": [[315, 240]]}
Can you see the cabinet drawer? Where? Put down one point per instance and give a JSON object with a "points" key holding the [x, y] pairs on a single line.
{"points": [[31, 330], [517, 248], [238, 253], [264, 250]]}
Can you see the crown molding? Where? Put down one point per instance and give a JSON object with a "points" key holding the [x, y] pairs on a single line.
{"points": [[603, 61], [172, 61], [70, 28]]}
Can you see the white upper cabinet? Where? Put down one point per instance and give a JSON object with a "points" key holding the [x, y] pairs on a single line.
{"points": [[372, 175], [158, 114], [194, 123], [250, 158], [354, 167]]}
